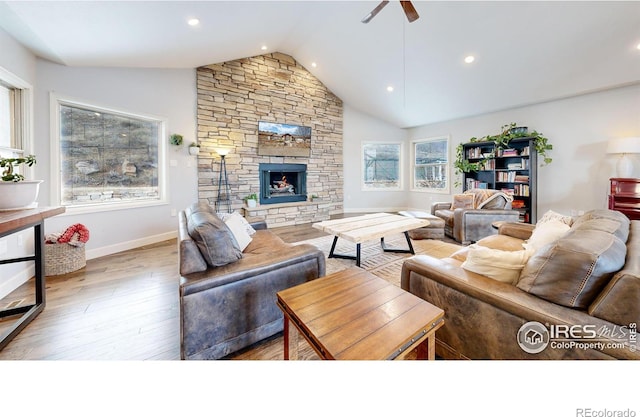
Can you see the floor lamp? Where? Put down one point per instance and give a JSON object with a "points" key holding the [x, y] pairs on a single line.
{"points": [[223, 200]]}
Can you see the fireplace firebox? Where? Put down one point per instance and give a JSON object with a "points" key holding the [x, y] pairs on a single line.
{"points": [[283, 183]]}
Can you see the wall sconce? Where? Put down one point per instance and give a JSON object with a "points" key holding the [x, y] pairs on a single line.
{"points": [[624, 146], [223, 200]]}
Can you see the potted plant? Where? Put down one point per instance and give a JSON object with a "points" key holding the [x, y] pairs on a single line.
{"points": [[251, 200], [15, 190], [194, 148], [176, 139]]}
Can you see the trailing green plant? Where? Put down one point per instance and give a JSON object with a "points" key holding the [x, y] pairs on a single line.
{"points": [[9, 164], [194, 145], [501, 141], [176, 139]]}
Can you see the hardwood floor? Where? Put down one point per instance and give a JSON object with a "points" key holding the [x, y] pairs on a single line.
{"points": [[120, 307]]}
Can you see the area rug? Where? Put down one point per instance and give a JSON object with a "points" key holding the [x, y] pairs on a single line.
{"points": [[386, 265]]}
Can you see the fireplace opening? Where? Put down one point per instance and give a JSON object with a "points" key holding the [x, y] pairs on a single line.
{"points": [[283, 183]]}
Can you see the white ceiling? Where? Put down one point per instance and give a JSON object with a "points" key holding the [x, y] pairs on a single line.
{"points": [[526, 52]]}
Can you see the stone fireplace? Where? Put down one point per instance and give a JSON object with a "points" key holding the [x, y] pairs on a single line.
{"points": [[283, 183], [233, 97]]}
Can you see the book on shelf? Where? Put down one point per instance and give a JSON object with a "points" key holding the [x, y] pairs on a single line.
{"points": [[517, 204], [509, 152], [514, 165], [521, 178], [472, 183]]}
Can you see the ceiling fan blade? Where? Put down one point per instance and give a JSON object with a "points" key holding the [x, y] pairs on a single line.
{"points": [[375, 11], [409, 10]]}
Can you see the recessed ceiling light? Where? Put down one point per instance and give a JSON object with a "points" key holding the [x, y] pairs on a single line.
{"points": [[264, 47], [390, 88], [313, 64], [638, 46], [469, 59], [193, 22]]}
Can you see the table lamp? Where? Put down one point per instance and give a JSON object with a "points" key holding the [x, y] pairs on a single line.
{"points": [[624, 146]]}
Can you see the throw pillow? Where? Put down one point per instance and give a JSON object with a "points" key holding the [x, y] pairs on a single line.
{"points": [[462, 201], [239, 230], [250, 230], [552, 215], [573, 270], [213, 238], [504, 266], [546, 233]]}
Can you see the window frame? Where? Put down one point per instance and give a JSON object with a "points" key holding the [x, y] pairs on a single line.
{"points": [[56, 101], [447, 166], [400, 186]]}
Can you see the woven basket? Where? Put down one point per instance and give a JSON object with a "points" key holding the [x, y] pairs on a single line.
{"points": [[62, 258]]}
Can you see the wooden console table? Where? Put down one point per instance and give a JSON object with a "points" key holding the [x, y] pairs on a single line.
{"points": [[14, 221]]}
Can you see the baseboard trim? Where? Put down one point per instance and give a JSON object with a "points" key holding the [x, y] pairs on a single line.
{"points": [[9, 285], [131, 244], [374, 210]]}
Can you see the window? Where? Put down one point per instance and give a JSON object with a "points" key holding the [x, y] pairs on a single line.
{"points": [[13, 111], [431, 165], [107, 158], [381, 166]]}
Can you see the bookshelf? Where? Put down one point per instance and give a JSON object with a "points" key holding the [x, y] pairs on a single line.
{"points": [[512, 170]]}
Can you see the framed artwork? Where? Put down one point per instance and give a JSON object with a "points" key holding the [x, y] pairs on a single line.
{"points": [[278, 139]]}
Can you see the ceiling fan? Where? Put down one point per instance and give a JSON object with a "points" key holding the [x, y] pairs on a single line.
{"points": [[408, 8]]}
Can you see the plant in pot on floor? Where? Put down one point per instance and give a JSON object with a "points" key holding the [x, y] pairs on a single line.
{"points": [[15, 190], [251, 200]]}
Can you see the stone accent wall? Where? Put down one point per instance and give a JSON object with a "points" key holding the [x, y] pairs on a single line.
{"points": [[232, 97]]}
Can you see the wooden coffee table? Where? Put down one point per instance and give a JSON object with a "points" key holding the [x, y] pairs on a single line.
{"points": [[369, 227], [353, 314]]}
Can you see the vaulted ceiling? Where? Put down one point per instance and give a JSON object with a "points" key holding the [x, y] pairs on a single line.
{"points": [[525, 52]]}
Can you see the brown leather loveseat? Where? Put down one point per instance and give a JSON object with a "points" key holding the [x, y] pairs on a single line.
{"points": [[225, 308], [583, 287]]}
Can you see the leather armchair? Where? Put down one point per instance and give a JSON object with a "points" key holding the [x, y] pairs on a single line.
{"points": [[226, 308], [468, 225]]}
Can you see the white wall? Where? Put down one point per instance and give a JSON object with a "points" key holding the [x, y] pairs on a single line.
{"points": [[578, 128], [168, 93], [360, 127]]}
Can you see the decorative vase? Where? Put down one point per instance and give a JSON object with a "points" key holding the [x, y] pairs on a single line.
{"points": [[194, 150], [252, 203], [19, 195]]}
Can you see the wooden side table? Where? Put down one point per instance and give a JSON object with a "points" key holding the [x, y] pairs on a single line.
{"points": [[14, 221], [354, 314]]}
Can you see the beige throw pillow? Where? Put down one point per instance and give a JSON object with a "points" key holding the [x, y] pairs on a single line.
{"points": [[545, 233], [462, 201], [504, 266], [552, 215]]}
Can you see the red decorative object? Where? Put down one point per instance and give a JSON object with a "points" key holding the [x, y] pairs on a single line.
{"points": [[69, 235]]}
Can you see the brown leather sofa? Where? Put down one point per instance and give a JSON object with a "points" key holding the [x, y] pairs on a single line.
{"points": [[226, 308], [586, 287], [468, 225]]}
